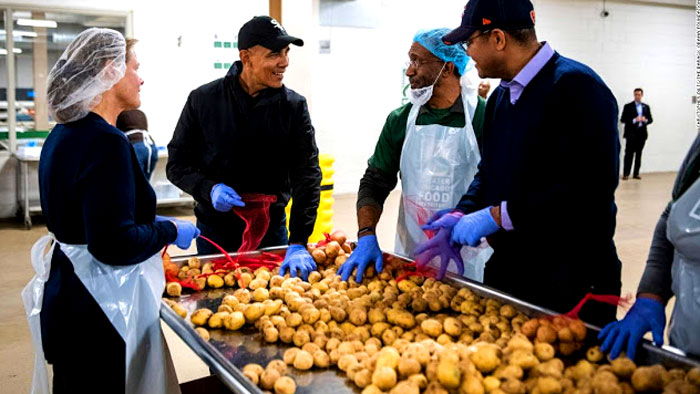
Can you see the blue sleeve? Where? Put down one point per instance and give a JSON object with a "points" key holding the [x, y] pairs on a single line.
{"points": [[109, 205], [580, 195], [472, 201]]}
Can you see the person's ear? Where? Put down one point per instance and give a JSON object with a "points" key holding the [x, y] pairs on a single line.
{"points": [[244, 55], [449, 69], [499, 38]]}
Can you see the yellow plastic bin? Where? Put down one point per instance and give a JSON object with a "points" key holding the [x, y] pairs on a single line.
{"points": [[324, 214]]}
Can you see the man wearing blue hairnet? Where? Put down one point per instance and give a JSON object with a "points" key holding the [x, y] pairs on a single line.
{"points": [[431, 141]]}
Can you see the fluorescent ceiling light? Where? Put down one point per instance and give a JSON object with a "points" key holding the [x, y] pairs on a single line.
{"points": [[20, 33], [37, 23], [3, 51]]}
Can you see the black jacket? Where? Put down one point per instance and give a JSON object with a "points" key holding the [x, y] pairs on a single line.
{"points": [[263, 144], [629, 112]]}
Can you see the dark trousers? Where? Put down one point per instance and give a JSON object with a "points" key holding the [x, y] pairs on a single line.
{"points": [[88, 372], [633, 149], [230, 238], [86, 359]]}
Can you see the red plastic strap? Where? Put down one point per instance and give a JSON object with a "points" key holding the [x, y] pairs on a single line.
{"points": [[325, 241], [604, 298], [426, 272], [184, 283], [233, 264]]}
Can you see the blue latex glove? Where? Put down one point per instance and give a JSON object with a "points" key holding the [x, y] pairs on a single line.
{"points": [[297, 261], [471, 228], [646, 315], [223, 198], [163, 218], [186, 232], [440, 245], [367, 251], [447, 220]]}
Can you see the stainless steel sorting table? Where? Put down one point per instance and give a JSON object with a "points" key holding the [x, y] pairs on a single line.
{"points": [[228, 351]]}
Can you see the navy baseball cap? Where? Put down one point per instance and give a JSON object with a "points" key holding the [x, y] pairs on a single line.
{"points": [[484, 15], [267, 32]]}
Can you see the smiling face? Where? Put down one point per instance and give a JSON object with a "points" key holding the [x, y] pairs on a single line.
{"points": [[488, 51], [129, 87], [263, 67]]}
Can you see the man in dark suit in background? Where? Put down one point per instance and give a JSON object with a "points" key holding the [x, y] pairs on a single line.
{"points": [[636, 116]]}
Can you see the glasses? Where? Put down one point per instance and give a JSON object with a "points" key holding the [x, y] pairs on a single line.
{"points": [[469, 41], [417, 62]]}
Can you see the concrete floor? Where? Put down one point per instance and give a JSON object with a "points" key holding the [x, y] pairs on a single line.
{"points": [[639, 203]]}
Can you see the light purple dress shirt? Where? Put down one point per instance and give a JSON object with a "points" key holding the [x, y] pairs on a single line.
{"points": [[518, 84], [516, 87]]}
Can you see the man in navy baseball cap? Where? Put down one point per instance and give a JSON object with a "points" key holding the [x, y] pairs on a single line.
{"points": [[483, 15], [549, 161]]}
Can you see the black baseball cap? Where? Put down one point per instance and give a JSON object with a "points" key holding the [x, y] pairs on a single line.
{"points": [[265, 31], [484, 15]]}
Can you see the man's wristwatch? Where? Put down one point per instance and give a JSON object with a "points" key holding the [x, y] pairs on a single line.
{"points": [[365, 230]]}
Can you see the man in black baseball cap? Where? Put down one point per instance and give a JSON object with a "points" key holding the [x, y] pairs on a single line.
{"points": [[246, 134], [267, 32], [549, 167]]}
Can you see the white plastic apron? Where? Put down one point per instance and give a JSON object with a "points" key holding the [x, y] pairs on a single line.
{"points": [[130, 298], [438, 163], [147, 141], [683, 231]]}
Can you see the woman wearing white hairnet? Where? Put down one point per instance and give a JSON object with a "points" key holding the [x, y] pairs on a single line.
{"points": [[101, 286]]}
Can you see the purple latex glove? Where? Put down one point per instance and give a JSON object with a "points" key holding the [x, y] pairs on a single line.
{"points": [[447, 220], [440, 245], [438, 215], [646, 315]]}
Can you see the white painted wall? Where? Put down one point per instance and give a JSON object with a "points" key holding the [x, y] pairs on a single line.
{"points": [[352, 89]]}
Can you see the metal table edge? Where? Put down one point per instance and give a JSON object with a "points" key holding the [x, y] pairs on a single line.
{"points": [[231, 376]]}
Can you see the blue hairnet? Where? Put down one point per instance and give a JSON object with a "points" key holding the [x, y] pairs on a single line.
{"points": [[432, 41]]}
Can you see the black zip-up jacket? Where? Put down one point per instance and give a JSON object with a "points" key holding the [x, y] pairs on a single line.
{"points": [[263, 144]]}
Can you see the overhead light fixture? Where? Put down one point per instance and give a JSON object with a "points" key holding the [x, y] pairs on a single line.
{"points": [[3, 51], [20, 33], [37, 23]]}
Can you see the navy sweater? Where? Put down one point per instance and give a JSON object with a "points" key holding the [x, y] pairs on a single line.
{"points": [[554, 157], [92, 192]]}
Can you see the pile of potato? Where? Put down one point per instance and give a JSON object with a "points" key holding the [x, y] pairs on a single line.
{"points": [[331, 253], [271, 377], [421, 335], [334, 252]]}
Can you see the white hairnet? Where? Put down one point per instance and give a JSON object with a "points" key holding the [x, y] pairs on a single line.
{"points": [[93, 62]]}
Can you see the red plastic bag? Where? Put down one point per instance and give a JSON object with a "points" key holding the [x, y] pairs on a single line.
{"points": [[256, 215], [604, 298]]}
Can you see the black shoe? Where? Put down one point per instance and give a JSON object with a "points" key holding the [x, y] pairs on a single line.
{"points": [[637, 177], [625, 177]]}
